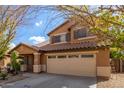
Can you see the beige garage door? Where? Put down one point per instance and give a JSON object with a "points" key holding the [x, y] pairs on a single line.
{"points": [[73, 64]]}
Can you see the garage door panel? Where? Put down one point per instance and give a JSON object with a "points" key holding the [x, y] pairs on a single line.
{"points": [[72, 66]]}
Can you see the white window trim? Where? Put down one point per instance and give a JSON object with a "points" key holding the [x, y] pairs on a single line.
{"points": [[59, 43], [88, 37]]}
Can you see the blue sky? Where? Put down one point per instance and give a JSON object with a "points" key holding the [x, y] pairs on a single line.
{"points": [[38, 29]]}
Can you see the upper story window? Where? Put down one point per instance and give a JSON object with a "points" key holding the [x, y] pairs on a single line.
{"points": [[61, 38], [56, 39], [80, 33], [68, 36]]}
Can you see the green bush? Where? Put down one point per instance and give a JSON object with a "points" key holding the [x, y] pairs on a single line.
{"points": [[3, 75], [17, 66]]}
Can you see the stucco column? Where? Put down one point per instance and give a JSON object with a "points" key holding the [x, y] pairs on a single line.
{"points": [[37, 65], [103, 63]]}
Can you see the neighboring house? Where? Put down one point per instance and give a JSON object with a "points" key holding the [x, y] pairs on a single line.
{"points": [[71, 51]]}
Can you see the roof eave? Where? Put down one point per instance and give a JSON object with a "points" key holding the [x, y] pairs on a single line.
{"points": [[57, 27], [24, 45]]}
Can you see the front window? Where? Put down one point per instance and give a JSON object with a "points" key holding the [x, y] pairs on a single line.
{"points": [[56, 39], [80, 33], [61, 38]]}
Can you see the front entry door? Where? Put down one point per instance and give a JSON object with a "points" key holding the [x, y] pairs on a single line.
{"points": [[30, 63], [28, 59]]}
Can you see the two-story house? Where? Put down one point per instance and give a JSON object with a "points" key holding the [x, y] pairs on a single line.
{"points": [[70, 51]]}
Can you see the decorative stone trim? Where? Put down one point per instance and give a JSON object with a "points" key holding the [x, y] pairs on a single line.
{"points": [[36, 68], [36, 58], [104, 71]]}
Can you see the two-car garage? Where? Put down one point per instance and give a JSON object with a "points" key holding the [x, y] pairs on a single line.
{"points": [[80, 64]]}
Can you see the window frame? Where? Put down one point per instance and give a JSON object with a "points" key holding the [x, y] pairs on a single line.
{"points": [[76, 31], [52, 57], [63, 38], [58, 57], [54, 40], [87, 55], [73, 56]]}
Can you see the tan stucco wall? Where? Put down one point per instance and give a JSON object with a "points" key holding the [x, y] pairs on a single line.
{"points": [[103, 57], [62, 29], [25, 50], [103, 63], [6, 60], [43, 62], [43, 59], [1, 63]]}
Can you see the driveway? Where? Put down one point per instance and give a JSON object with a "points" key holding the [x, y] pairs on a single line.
{"points": [[45, 80]]}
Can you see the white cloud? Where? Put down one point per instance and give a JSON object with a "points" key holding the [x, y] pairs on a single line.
{"points": [[39, 23], [12, 45], [37, 39]]}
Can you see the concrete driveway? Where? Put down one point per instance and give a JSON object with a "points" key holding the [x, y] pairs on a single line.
{"points": [[45, 80]]}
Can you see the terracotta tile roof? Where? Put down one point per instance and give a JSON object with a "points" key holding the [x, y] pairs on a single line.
{"points": [[69, 46], [29, 46]]}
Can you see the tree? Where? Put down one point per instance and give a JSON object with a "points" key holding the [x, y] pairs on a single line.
{"points": [[15, 61], [12, 17], [107, 22]]}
